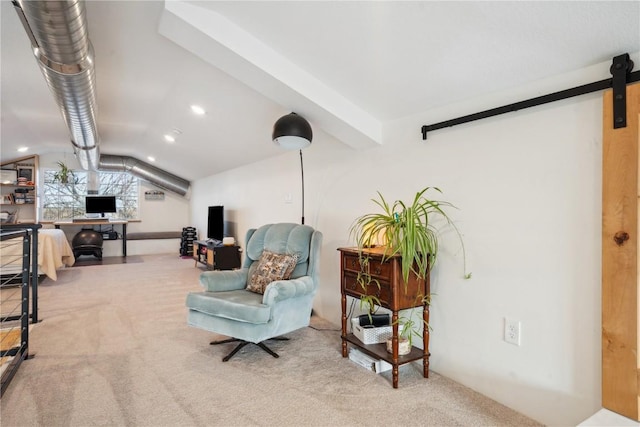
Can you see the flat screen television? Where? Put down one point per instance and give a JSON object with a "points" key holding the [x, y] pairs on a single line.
{"points": [[100, 204], [215, 223]]}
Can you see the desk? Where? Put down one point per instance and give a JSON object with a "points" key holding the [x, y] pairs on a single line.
{"points": [[123, 223]]}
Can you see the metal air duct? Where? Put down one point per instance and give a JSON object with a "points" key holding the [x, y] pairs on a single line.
{"points": [[60, 42], [58, 33], [145, 171]]}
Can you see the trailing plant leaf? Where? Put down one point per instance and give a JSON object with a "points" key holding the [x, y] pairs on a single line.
{"points": [[364, 280], [410, 323], [369, 302]]}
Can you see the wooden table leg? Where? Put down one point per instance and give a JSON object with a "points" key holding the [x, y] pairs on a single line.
{"points": [[394, 345], [425, 342], [425, 328], [343, 301]]}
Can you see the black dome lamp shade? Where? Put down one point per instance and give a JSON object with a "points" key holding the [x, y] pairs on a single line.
{"points": [[292, 132]]}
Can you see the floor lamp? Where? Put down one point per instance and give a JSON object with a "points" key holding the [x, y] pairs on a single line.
{"points": [[293, 132]]}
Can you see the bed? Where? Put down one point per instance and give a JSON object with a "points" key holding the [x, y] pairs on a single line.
{"points": [[54, 252]]}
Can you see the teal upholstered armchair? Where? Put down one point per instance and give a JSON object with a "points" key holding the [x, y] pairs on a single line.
{"points": [[271, 295]]}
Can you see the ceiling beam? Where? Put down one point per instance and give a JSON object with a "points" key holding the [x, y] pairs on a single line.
{"points": [[225, 45]]}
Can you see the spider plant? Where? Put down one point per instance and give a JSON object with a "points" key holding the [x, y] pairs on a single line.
{"points": [[408, 230], [64, 174]]}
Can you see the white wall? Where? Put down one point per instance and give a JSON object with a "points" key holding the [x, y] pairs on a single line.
{"points": [[170, 214], [528, 188]]}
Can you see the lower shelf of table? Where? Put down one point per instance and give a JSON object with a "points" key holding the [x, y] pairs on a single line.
{"points": [[379, 351]]}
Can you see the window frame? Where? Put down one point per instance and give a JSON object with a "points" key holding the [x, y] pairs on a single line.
{"points": [[62, 201]]}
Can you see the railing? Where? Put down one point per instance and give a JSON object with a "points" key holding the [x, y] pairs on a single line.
{"points": [[6, 279], [14, 301]]}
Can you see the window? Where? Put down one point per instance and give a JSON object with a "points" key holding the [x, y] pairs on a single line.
{"points": [[63, 201]]}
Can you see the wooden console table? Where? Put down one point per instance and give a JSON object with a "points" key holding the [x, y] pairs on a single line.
{"points": [[393, 295]]}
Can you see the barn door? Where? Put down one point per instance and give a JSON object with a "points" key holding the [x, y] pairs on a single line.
{"points": [[620, 252]]}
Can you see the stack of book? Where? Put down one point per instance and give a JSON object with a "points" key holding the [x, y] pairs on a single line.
{"points": [[368, 362]]}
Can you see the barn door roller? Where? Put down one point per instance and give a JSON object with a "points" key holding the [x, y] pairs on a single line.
{"points": [[620, 69]]}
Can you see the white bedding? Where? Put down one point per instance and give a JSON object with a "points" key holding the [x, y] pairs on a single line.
{"points": [[54, 252]]}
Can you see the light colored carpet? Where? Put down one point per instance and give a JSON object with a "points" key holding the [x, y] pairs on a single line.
{"points": [[113, 348]]}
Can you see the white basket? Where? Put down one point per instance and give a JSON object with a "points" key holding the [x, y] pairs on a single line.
{"points": [[376, 335]]}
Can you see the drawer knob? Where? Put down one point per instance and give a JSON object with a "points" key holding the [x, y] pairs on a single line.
{"points": [[378, 270]]}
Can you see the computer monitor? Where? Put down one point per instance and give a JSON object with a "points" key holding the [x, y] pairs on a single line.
{"points": [[100, 204]]}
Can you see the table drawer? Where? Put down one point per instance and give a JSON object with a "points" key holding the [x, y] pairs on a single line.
{"points": [[380, 270], [354, 289]]}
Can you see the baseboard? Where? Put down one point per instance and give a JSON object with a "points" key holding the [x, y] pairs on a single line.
{"points": [[605, 417]]}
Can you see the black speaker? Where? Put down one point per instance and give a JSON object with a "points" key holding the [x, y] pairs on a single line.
{"points": [[375, 320]]}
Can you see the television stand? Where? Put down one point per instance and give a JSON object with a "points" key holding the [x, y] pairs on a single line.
{"points": [[214, 242], [216, 257]]}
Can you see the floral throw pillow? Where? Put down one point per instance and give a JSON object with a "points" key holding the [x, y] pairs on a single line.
{"points": [[271, 266]]}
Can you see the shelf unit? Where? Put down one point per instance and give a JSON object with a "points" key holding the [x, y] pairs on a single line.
{"points": [[20, 197], [394, 294]]}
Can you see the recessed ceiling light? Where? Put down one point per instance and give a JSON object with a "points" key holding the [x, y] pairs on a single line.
{"points": [[198, 110], [151, 158], [169, 138], [22, 149]]}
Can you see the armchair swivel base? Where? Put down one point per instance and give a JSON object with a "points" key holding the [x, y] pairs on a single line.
{"points": [[243, 343], [269, 297]]}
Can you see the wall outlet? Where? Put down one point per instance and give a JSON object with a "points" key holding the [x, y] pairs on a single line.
{"points": [[512, 331], [288, 198]]}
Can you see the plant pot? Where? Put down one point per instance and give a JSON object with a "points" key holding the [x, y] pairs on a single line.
{"points": [[404, 347]]}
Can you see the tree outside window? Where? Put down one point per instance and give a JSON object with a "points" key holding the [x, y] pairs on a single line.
{"points": [[64, 201]]}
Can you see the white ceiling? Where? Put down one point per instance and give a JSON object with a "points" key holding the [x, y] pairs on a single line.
{"points": [[348, 67]]}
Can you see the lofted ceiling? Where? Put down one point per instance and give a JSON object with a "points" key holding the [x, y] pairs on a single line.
{"points": [[348, 67]]}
